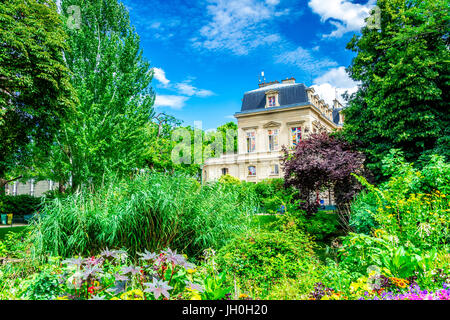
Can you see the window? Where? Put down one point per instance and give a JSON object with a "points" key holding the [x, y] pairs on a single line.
{"points": [[224, 171], [296, 135], [275, 169], [273, 139], [251, 141], [252, 171], [272, 98]]}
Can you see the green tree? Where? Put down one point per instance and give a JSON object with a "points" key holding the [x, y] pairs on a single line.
{"points": [[108, 132], [403, 68], [35, 91]]}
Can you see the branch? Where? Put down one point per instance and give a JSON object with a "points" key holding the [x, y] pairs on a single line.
{"points": [[14, 179]]}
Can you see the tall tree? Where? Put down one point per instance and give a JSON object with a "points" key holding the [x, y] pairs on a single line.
{"points": [[403, 68], [35, 91], [108, 131]]}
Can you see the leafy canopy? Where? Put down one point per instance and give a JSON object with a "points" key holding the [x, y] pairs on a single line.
{"points": [[35, 91], [403, 69]]}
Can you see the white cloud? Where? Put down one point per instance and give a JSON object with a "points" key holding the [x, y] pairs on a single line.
{"points": [[238, 25], [333, 84], [160, 75], [189, 90], [337, 77], [171, 101], [305, 60], [347, 16], [184, 89]]}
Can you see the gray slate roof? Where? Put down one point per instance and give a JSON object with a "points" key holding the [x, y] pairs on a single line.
{"points": [[289, 94]]}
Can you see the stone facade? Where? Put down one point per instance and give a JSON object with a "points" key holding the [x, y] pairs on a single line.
{"points": [[264, 128], [32, 188]]}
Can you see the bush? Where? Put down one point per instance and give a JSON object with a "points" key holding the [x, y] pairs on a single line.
{"points": [[322, 225], [362, 218], [409, 205], [263, 261], [272, 195], [150, 211], [19, 205]]}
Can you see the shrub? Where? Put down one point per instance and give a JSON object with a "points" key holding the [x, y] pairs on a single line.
{"points": [[362, 218], [229, 179], [261, 261], [322, 225], [409, 205], [19, 205], [272, 195], [150, 211]]}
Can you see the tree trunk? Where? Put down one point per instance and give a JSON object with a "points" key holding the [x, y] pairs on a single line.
{"points": [[3, 183], [62, 187]]}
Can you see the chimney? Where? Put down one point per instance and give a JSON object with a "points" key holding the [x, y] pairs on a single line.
{"points": [[288, 80]]}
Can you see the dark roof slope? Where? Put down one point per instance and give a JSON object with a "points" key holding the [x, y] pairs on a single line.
{"points": [[288, 94]]}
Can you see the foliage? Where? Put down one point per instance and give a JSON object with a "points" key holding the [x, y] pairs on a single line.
{"points": [[273, 195], [322, 162], [229, 179], [14, 244], [223, 140], [35, 92], [322, 225], [149, 211], [361, 219], [410, 205], [19, 205], [403, 68], [108, 130], [262, 260], [112, 275]]}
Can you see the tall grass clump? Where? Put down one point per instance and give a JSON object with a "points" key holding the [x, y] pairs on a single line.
{"points": [[150, 211]]}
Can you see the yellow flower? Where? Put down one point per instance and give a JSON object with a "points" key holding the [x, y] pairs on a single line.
{"points": [[63, 298], [243, 296], [190, 271], [135, 294], [196, 296], [114, 298]]}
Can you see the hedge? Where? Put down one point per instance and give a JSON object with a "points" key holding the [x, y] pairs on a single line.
{"points": [[19, 205]]}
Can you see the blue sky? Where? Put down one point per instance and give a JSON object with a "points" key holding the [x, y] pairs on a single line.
{"points": [[207, 53]]}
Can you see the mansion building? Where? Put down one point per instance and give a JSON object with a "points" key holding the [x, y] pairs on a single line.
{"points": [[274, 115]]}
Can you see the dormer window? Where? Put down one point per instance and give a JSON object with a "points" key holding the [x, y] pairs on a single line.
{"points": [[272, 99]]}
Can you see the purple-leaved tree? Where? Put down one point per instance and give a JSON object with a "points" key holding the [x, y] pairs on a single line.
{"points": [[322, 162]]}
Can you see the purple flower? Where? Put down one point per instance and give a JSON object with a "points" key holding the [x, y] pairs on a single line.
{"points": [[132, 270], [148, 255], [119, 277], [194, 286], [157, 288], [91, 272], [73, 261]]}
